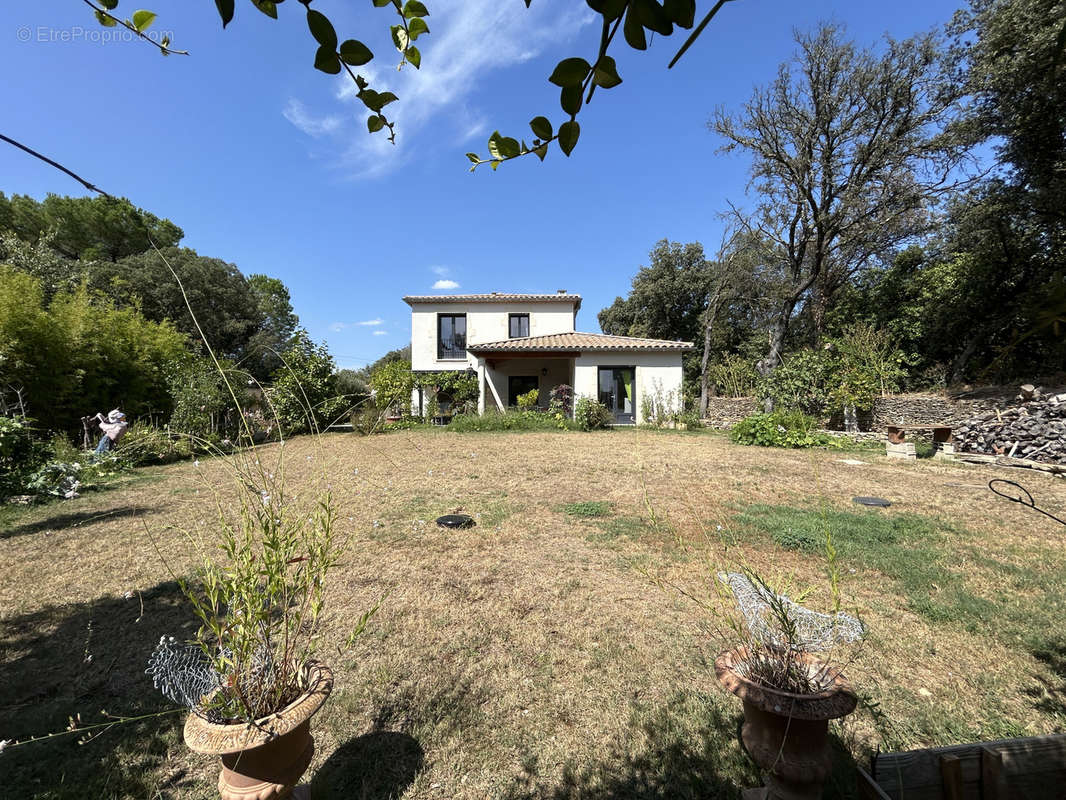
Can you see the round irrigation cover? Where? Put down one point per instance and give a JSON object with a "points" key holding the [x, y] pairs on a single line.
{"points": [[456, 521], [873, 502]]}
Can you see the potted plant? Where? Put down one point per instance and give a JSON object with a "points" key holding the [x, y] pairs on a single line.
{"points": [[785, 675], [251, 678]]}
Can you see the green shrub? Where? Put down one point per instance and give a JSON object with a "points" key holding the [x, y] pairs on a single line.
{"points": [[781, 429], [528, 401], [367, 419], [509, 421], [67, 479], [146, 444], [592, 415], [690, 419], [561, 401], [304, 396], [20, 455]]}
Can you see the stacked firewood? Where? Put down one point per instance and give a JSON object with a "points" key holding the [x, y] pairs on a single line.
{"points": [[1034, 429]]}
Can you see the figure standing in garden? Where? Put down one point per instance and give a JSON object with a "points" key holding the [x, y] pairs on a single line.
{"points": [[114, 427]]}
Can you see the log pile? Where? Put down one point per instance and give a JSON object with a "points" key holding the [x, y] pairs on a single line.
{"points": [[1034, 429]]}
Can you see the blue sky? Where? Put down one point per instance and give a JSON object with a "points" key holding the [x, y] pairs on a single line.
{"points": [[267, 163]]}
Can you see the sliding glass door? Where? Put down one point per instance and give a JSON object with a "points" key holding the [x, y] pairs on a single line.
{"points": [[618, 393]]}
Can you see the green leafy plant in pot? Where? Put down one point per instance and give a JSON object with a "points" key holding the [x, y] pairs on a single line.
{"points": [[784, 672], [251, 678]]}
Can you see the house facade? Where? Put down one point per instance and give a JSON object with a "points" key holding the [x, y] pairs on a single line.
{"points": [[519, 342]]}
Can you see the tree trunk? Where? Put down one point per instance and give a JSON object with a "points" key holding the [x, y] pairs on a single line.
{"points": [[778, 332], [708, 329], [963, 358]]}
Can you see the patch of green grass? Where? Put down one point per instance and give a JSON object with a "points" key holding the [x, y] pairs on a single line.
{"points": [[625, 527], [918, 553], [908, 548], [588, 508]]}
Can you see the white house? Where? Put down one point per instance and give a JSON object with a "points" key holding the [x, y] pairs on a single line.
{"points": [[519, 342]]}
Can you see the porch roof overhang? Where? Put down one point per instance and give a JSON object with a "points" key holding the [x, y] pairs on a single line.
{"points": [[573, 344]]}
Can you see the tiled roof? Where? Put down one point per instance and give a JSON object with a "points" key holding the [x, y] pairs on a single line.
{"points": [[494, 297], [578, 342]]}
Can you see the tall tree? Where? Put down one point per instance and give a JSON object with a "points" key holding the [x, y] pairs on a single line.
{"points": [[846, 159], [226, 309], [666, 298], [277, 325], [87, 228], [744, 282]]}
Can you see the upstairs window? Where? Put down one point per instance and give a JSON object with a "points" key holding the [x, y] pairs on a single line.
{"points": [[518, 325], [451, 337]]}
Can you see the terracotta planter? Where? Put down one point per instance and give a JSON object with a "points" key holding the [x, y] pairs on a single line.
{"points": [[264, 761], [787, 734]]}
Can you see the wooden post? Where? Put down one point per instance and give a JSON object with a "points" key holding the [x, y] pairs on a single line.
{"points": [[951, 775], [991, 772]]}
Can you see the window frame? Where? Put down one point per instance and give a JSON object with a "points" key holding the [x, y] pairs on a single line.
{"points": [[510, 320], [450, 353]]}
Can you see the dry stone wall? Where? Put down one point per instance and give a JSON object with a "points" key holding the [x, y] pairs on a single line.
{"points": [[725, 412]]}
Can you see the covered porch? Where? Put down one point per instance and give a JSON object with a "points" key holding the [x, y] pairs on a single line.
{"points": [[503, 377]]}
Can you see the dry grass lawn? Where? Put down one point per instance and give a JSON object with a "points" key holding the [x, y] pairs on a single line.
{"points": [[538, 655]]}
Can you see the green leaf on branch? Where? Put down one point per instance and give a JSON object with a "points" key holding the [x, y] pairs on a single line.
{"points": [[681, 12], [605, 73], [268, 7], [609, 9], [382, 3], [104, 20], [387, 97], [494, 145], [375, 122], [413, 56], [322, 29], [570, 99], [634, 31], [417, 27], [110, 5], [413, 9], [355, 53], [570, 72], [474, 158], [399, 37], [568, 133], [326, 59], [652, 16], [142, 20], [541, 127], [509, 147], [371, 99], [541, 151], [225, 11]]}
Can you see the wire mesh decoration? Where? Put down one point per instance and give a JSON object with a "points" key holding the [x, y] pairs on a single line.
{"points": [[814, 631], [182, 672]]}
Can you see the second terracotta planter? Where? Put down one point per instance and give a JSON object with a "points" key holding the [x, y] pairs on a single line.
{"points": [[787, 734], [266, 760]]}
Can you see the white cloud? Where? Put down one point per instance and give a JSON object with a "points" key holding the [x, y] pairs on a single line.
{"points": [[440, 272], [469, 42], [297, 113], [381, 333], [337, 327], [443, 284]]}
